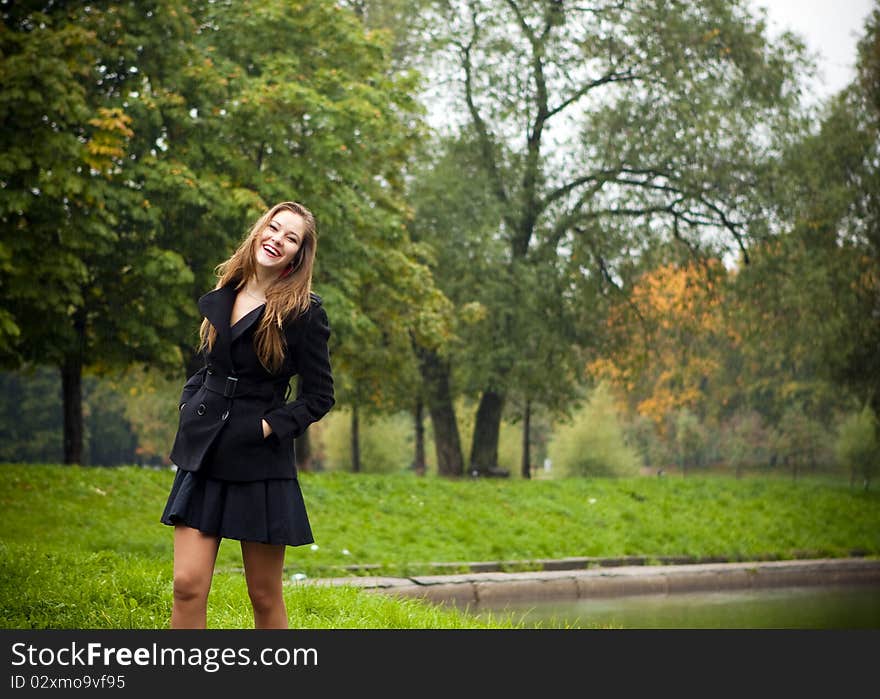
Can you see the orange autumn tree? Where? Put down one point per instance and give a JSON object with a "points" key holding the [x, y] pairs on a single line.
{"points": [[670, 346]]}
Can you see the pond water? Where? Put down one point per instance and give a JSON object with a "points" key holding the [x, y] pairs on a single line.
{"points": [[814, 607]]}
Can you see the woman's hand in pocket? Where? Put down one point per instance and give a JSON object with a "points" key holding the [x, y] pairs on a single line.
{"points": [[267, 429]]}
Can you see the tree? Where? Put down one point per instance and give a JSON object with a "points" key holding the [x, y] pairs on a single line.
{"points": [[666, 345], [857, 446], [603, 127], [75, 240], [155, 135], [32, 425], [800, 441], [690, 439], [745, 441], [454, 221], [592, 443], [818, 282], [30, 416]]}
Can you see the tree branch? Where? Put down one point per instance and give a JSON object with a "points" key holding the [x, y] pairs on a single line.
{"points": [[604, 80], [731, 226], [485, 139], [530, 205]]}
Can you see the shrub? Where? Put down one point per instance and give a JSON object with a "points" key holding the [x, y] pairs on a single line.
{"points": [[592, 443], [386, 442], [691, 440], [745, 441], [801, 441], [857, 447]]}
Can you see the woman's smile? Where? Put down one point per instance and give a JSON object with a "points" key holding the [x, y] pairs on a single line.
{"points": [[271, 250]]}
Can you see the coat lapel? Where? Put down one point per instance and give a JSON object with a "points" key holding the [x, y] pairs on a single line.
{"points": [[216, 306], [246, 321]]}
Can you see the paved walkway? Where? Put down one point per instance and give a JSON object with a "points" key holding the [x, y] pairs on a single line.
{"points": [[494, 587]]}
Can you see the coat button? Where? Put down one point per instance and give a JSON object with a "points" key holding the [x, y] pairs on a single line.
{"points": [[224, 415], [201, 409]]}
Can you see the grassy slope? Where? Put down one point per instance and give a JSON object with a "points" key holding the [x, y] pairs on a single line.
{"points": [[83, 547]]}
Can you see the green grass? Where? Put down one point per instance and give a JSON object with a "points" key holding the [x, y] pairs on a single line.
{"points": [[83, 547], [110, 590]]}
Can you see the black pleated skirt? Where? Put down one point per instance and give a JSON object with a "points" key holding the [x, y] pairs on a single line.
{"points": [[267, 511]]}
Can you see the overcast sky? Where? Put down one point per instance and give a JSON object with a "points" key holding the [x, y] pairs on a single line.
{"points": [[830, 28]]}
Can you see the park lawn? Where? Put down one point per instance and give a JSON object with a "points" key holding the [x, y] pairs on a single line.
{"points": [[78, 589], [82, 547]]}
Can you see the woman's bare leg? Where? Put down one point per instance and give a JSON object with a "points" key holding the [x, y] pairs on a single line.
{"points": [[263, 569], [194, 556]]}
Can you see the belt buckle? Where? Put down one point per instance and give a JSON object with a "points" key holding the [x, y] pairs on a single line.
{"points": [[229, 389]]}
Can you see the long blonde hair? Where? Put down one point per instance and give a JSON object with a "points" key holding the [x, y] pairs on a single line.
{"points": [[287, 296]]}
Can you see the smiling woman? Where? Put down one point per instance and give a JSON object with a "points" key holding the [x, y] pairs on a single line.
{"points": [[234, 447], [279, 241]]}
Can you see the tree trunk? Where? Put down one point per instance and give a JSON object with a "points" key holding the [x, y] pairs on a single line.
{"points": [[355, 441], [419, 462], [484, 448], [526, 448], [447, 444], [71, 392]]}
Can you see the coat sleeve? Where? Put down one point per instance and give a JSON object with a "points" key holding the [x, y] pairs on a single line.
{"points": [[315, 393], [193, 383]]}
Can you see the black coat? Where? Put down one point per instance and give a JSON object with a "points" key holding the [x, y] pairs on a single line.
{"points": [[223, 404]]}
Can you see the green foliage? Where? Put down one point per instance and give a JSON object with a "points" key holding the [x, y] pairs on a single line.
{"points": [[800, 441], [30, 416], [857, 446], [110, 437], [510, 448], [31, 419], [592, 443], [139, 145], [587, 136], [745, 442], [801, 289], [149, 405], [641, 433], [817, 284], [690, 439], [386, 442], [71, 178]]}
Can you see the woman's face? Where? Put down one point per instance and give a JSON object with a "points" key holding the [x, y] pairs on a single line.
{"points": [[277, 244]]}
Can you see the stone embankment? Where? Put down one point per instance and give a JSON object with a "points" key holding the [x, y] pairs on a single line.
{"points": [[492, 587]]}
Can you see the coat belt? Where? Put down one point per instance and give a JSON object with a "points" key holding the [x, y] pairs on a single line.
{"points": [[233, 387]]}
